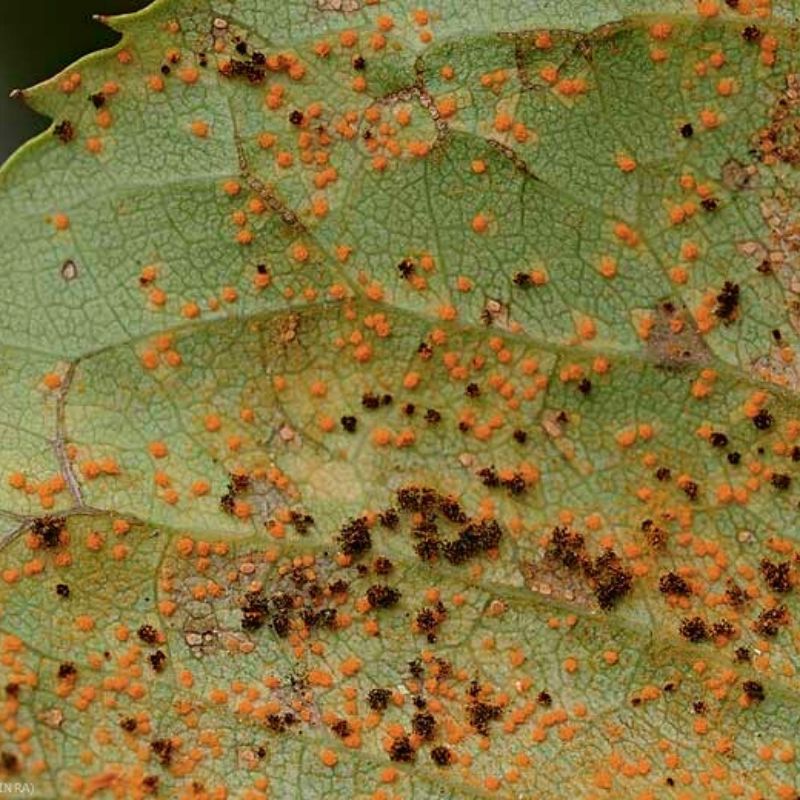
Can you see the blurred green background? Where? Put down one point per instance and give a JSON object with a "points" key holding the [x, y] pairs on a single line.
{"points": [[37, 39]]}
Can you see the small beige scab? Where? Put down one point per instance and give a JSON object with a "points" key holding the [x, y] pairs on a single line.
{"points": [[248, 758], [52, 717], [345, 6], [69, 270], [752, 249], [496, 608], [287, 332], [496, 314], [551, 424], [736, 175], [287, 433], [235, 642]]}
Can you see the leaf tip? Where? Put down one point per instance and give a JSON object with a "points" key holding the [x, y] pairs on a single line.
{"points": [[107, 20]]}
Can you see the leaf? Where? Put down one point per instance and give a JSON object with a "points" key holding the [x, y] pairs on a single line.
{"points": [[402, 402]]}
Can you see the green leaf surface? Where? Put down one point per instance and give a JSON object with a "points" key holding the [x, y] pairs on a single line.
{"points": [[401, 402]]}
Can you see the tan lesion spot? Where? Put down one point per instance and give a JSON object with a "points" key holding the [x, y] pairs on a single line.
{"points": [[777, 256], [550, 579], [780, 140], [673, 340], [344, 6]]}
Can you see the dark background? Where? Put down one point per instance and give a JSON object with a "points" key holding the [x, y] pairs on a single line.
{"points": [[37, 39]]}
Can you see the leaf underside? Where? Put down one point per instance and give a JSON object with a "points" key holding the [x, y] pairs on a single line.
{"points": [[402, 402]]}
